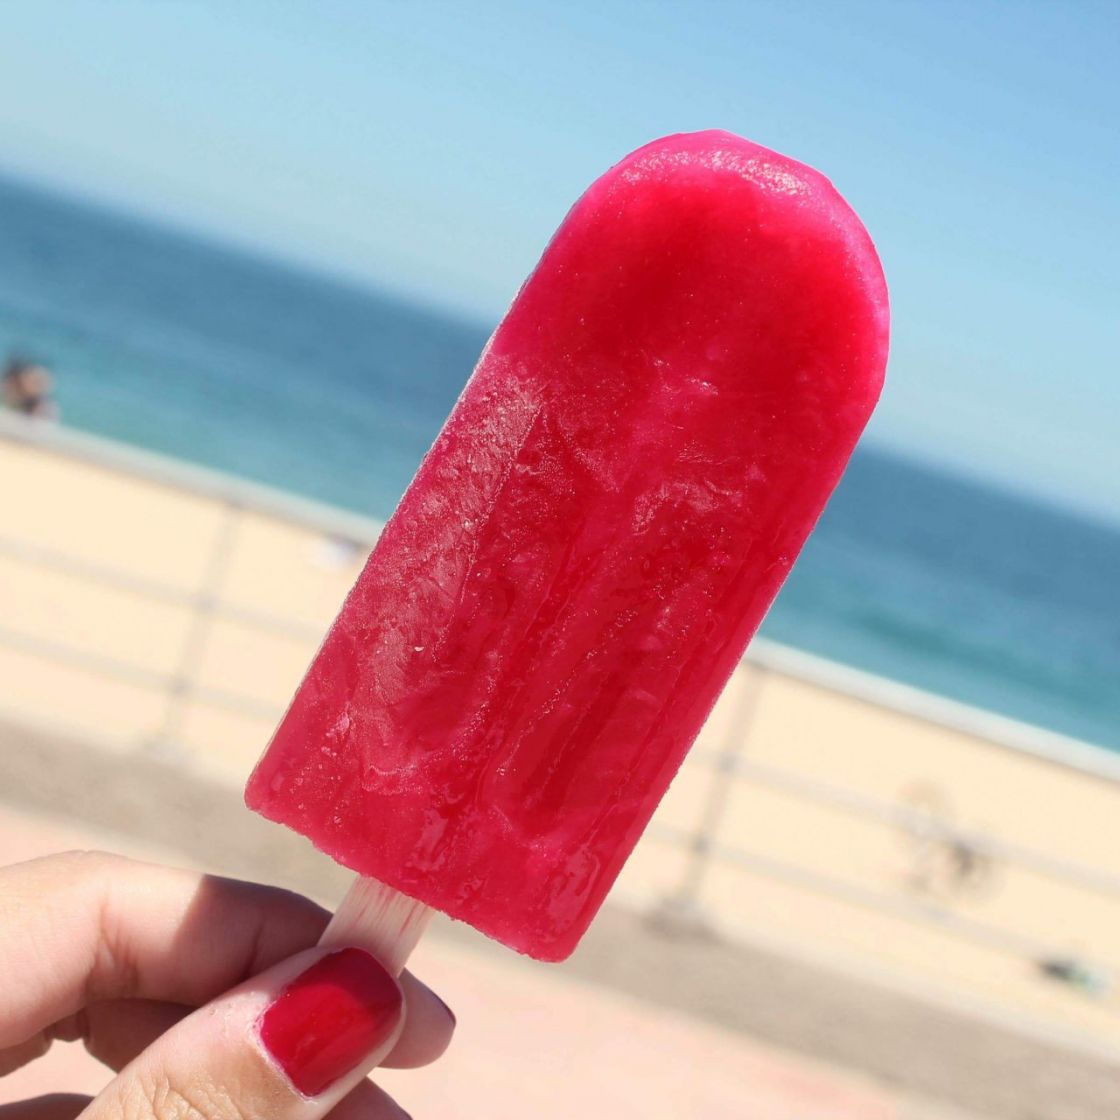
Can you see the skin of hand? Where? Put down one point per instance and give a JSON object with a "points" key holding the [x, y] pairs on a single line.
{"points": [[207, 997]]}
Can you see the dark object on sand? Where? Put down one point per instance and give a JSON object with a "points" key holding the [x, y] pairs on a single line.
{"points": [[27, 388]]}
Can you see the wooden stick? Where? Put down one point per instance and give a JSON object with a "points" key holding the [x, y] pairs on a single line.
{"points": [[380, 920]]}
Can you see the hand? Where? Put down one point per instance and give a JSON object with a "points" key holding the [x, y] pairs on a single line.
{"points": [[206, 996]]}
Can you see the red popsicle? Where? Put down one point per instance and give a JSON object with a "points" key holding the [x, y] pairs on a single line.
{"points": [[567, 584]]}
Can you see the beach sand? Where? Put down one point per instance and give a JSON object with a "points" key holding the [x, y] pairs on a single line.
{"points": [[848, 825], [579, 1047]]}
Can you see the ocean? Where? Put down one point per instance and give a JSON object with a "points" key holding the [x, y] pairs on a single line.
{"points": [[311, 385]]}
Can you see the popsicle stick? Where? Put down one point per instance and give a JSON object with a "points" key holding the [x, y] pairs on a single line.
{"points": [[380, 920]]}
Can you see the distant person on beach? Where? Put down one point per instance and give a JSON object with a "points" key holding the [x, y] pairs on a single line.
{"points": [[27, 388]]}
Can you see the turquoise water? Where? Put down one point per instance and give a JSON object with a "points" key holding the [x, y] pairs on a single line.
{"points": [[312, 386]]}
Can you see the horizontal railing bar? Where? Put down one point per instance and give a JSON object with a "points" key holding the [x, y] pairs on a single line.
{"points": [[1065, 871], [864, 806], [237, 702], [995, 730], [112, 667], [128, 582], [982, 933]]}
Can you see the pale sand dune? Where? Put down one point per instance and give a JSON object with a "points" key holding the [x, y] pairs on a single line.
{"points": [[141, 616]]}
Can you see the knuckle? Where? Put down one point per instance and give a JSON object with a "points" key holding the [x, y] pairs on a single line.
{"points": [[114, 971], [155, 1096], [159, 1095], [75, 868], [86, 862]]}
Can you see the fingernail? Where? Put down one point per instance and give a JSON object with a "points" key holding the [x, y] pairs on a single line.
{"points": [[330, 1018]]}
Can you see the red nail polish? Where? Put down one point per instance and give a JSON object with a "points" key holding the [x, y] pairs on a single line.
{"points": [[330, 1018]]}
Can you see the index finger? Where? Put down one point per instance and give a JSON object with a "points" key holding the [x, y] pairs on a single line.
{"points": [[85, 926]]}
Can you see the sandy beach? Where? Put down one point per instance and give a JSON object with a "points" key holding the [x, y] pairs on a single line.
{"points": [[161, 615], [573, 1025]]}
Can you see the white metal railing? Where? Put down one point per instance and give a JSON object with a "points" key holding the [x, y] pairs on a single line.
{"points": [[973, 852]]}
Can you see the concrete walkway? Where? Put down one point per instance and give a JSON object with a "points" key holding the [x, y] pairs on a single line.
{"points": [[656, 1018], [536, 1041]]}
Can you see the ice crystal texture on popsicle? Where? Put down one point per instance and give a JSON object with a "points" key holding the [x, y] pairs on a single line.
{"points": [[572, 576]]}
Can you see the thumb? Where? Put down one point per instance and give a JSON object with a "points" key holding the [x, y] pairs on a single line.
{"points": [[287, 1045]]}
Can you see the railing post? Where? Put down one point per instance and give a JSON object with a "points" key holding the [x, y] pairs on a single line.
{"points": [[168, 739], [682, 912]]}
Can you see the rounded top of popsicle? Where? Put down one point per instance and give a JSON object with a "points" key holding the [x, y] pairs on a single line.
{"points": [[716, 150], [710, 156], [706, 251]]}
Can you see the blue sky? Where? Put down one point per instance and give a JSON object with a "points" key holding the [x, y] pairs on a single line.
{"points": [[434, 147]]}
